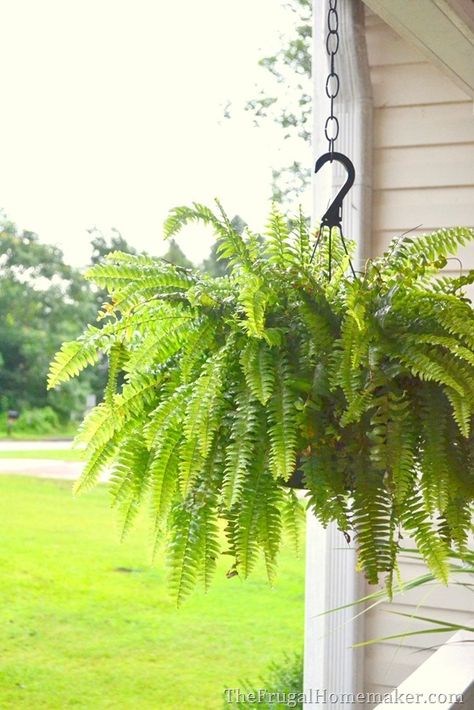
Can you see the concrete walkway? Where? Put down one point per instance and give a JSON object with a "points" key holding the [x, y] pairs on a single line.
{"points": [[56, 445], [42, 468]]}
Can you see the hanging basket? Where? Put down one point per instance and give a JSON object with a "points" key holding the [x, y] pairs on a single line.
{"points": [[234, 385]]}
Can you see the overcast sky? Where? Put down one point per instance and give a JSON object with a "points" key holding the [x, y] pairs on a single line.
{"points": [[112, 114]]}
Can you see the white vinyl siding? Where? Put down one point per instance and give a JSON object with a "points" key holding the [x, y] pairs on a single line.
{"points": [[423, 180]]}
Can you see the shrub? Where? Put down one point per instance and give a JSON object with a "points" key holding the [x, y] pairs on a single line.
{"points": [[281, 687], [43, 420]]}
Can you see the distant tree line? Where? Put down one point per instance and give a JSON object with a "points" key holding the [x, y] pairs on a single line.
{"points": [[44, 301]]}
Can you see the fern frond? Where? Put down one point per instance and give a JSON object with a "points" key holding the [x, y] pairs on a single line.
{"points": [[169, 413], [136, 395], [269, 524], [430, 247], [416, 521], [247, 517], [240, 451], [282, 423], [401, 442], [159, 275], [185, 551], [159, 346], [327, 496], [191, 464], [204, 407], [231, 244], [195, 347], [277, 247], [371, 521], [426, 367], [302, 247], [130, 481], [99, 459], [164, 474], [257, 364], [293, 519], [462, 410], [74, 356], [97, 428], [117, 358], [435, 478], [211, 545], [254, 297]]}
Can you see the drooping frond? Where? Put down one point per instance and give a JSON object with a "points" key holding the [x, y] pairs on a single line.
{"points": [[75, 356], [203, 409], [169, 413], [254, 298], [118, 357], [241, 449], [428, 542], [136, 396], [257, 364], [370, 517], [292, 514], [185, 551], [96, 464], [97, 428], [160, 345], [164, 474], [130, 481], [282, 423]]}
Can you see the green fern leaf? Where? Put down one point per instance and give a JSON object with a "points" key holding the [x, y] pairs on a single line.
{"points": [[185, 551], [254, 298], [257, 364], [75, 356], [240, 451], [293, 519], [98, 461], [282, 423], [203, 410]]}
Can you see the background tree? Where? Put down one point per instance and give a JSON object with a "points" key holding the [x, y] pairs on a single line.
{"points": [[175, 255], [287, 99], [102, 245], [216, 265], [42, 301]]}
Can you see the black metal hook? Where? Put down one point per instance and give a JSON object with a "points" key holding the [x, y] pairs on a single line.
{"points": [[333, 215]]}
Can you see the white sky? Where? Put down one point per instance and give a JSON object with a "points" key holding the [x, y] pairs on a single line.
{"points": [[112, 114]]}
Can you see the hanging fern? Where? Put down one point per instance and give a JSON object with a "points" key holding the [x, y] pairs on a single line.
{"points": [[220, 388]]}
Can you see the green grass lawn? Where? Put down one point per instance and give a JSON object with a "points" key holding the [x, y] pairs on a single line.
{"points": [[59, 454], [77, 631]]}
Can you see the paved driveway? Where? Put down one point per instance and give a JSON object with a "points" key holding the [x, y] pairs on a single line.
{"points": [[12, 445], [41, 468]]}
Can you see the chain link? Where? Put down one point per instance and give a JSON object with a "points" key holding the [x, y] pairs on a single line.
{"points": [[331, 127]]}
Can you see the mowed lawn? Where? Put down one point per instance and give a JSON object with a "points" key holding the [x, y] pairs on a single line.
{"points": [[79, 629]]}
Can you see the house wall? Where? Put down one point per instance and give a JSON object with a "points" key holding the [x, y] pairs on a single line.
{"points": [[423, 180]]}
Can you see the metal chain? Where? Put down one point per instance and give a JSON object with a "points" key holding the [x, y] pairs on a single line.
{"points": [[331, 127], [333, 216]]}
